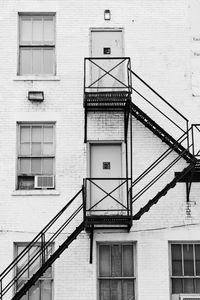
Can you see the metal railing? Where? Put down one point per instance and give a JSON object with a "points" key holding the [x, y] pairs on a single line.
{"points": [[190, 150], [40, 239], [107, 74], [121, 203], [153, 104]]}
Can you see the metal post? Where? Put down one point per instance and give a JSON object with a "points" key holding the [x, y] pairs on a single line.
{"points": [[131, 162], [84, 198], [193, 151], [43, 247], [188, 142], [1, 296]]}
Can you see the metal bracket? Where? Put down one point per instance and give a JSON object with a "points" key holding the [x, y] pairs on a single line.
{"points": [[188, 186], [91, 243]]}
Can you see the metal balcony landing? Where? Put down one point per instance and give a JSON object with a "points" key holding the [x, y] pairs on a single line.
{"points": [[108, 222], [103, 101]]}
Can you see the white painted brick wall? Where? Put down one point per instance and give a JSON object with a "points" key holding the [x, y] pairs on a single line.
{"points": [[158, 39]]}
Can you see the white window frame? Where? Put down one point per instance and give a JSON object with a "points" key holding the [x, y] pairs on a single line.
{"points": [[133, 278], [181, 243], [42, 156], [37, 45]]}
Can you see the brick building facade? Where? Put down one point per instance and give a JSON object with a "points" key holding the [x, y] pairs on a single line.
{"points": [[43, 46]]}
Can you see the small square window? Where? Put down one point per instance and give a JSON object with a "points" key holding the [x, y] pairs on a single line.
{"points": [[36, 44]]}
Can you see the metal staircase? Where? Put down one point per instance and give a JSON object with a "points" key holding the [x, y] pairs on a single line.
{"points": [[101, 100], [65, 219]]}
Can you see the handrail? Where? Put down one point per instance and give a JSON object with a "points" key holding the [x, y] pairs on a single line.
{"points": [[168, 167], [40, 237], [158, 110], [144, 82], [120, 61], [161, 158]]}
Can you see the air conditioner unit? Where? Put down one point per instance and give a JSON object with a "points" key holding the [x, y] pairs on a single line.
{"points": [[44, 182], [190, 297]]}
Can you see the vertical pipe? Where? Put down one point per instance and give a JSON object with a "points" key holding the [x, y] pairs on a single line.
{"points": [[131, 160], [84, 198], [126, 145]]}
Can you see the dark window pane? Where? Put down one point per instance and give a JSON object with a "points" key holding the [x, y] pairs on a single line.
{"points": [[25, 182], [177, 286], [176, 268], [116, 290], [116, 260], [188, 285], [176, 252], [128, 290], [104, 289], [128, 261], [188, 260], [176, 260], [197, 257], [104, 260], [197, 285]]}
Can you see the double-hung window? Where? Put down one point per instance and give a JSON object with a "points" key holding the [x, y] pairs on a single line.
{"points": [[116, 272], [36, 155], [36, 44], [185, 268], [27, 267]]}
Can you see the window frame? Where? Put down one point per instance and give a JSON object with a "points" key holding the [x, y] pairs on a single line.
{"points": [[131, 278], [53, 156], [42, 278], [182, 277], [39, 45]]}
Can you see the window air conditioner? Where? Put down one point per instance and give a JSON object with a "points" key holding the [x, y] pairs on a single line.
{"points": [[190, 297], [44, 182]]}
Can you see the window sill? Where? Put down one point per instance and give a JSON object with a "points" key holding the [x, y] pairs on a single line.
{"points": [[36, 78], [35, 193]]}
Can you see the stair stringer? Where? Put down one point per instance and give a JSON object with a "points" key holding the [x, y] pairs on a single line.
{"points": [[18, 295], [163, 192], [160, 132]]}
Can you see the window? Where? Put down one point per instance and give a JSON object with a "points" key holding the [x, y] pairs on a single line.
{"points": [[37, 44], [42, 289], [185, 268], [36, 156], [116, 278]]}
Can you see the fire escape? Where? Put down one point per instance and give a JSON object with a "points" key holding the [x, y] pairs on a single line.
{"points": [[127, 94]]}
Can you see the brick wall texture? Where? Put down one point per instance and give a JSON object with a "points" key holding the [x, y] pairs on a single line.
{"points": [[159, 37]]}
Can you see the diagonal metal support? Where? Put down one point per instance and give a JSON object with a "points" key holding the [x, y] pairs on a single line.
{"points": [[107, 73], [107, 194], [188, 185]]}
